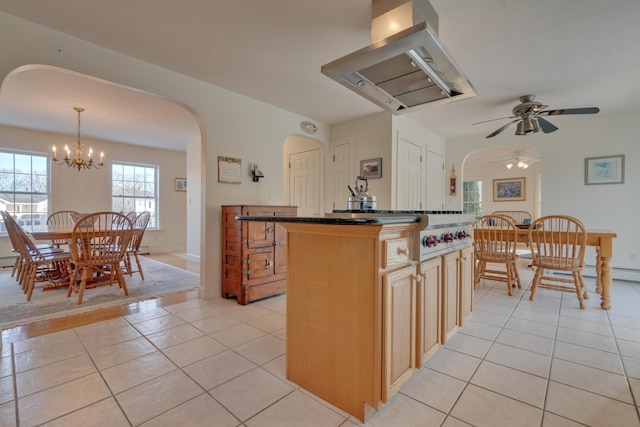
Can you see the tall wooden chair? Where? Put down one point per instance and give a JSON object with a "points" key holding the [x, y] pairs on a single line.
{"points": [[495, 240], [139, 227], [98, 242], [50, 268], [61, 218], [558, 244]]}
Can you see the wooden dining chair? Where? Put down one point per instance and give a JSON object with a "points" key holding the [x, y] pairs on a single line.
{"points": [[558, 244], [139, 227], [61, 218], [98, 242], [50, 268], [495, 240]]}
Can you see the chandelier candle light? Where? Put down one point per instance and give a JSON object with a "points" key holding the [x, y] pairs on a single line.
{"points": [[78, 163]]}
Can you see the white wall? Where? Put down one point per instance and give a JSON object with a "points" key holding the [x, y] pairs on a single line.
{"points": [[489, 173], [89, 191], [377, 136], [611, 207], [231, 125], [372, 136]]}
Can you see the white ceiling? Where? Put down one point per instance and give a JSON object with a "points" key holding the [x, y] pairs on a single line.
{"points": [[570, 53]]}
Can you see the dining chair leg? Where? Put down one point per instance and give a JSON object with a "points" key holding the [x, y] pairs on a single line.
{"points": [[121, 281], [139, 265], [536, 280], [30, 281]]}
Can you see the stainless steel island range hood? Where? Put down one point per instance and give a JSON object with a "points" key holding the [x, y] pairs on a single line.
{"points": [[402, 69]]}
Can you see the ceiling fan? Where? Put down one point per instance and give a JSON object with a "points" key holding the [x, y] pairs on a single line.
{"points": [[528, 115], [518, 159]]}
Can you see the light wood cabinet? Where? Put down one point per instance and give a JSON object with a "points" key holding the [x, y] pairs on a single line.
{"points": [[254, 254], [362, 315], [466, 269], [450, 302], [457, 290], [399, 329], [428, 309]]}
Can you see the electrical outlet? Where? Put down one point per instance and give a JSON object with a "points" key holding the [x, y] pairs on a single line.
{"points": [[272, 195]]}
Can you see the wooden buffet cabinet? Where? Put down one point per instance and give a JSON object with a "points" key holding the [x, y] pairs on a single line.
{"points": [[362, 315], [254, 254]]}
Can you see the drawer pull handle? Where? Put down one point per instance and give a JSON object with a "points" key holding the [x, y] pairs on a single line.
{"points": [[402, 251]]}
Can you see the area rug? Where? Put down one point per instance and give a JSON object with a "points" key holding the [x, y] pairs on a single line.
{"points": [[160, 279]]}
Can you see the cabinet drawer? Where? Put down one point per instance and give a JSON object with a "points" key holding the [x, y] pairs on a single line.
{"points": [[396, 251]]}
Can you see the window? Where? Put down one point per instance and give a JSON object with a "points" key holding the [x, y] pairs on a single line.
{"points": [[24, 187], [134, 187], [472, 197]]}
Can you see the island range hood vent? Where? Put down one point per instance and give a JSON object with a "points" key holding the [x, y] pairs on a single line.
{"points": [[406, 68]]}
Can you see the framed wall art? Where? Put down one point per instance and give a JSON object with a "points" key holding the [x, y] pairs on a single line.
{"points": [[371, 168], [604, 170], [509, 190], [180, 184]]}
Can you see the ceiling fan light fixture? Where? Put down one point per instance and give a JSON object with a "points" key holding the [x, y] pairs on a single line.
{"points": [[527, 126], [520, 128], [536, 125], [509, 165]]}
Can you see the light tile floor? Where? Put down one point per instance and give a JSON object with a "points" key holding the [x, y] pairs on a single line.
{"points": [[216, 363]]}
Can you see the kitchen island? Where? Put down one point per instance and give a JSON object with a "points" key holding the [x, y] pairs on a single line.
{"points": [[363, 311]]}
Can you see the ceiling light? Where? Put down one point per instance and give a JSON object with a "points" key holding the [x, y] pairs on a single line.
{"points": [[527, 126], [509, 165], [78, 163]]}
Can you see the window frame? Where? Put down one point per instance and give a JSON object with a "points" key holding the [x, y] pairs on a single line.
{"points": [[46, 158], [466, 201], [154, 221]]}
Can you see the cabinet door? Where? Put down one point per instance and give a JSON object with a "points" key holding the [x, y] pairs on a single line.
{"points": [[466, 266], [449, 295], [258, 234], [428, 303], [399, 329], [259, 264]]}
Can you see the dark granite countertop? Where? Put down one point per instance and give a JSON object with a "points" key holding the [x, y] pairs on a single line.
{"points": [[380, 220]]}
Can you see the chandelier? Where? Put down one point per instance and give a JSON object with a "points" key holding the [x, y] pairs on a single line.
{"points": [[78, 163]]}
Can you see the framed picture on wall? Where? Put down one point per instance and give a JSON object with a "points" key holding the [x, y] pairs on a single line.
{"points": [[604, 170], [180, 184], [371, 168], [509, 190]]}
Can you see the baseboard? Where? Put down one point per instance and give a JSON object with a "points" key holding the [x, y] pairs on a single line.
{"points": [[624, 274]]}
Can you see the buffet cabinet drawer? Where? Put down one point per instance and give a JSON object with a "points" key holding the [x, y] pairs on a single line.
{"points": [[396, 251]]}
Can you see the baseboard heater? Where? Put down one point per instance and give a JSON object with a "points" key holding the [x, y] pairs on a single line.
{"points": [[624, 274]]}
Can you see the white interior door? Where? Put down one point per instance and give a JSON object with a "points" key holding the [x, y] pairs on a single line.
{"points": [[341, 174], [304, 182], [409, 184], [435, 182]]}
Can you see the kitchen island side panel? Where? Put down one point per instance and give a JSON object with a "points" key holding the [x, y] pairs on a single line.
{"points": [[334, 306]]}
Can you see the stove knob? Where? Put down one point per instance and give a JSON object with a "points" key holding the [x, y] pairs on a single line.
{"points": [[447, 237], [429, 241]]}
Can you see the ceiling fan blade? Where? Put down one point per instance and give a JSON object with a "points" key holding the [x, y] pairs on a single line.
{"points": [[588, 110], [493, 120], [494, 133], [546, 126]]}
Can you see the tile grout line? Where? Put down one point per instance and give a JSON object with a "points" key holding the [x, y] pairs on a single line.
{"points": [[16, 406]]}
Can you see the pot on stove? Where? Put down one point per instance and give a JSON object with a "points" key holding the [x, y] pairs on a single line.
{"points": [[360, 198]]}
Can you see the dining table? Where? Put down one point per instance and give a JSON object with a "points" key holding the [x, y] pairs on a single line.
{"points": [[602, 241]]}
